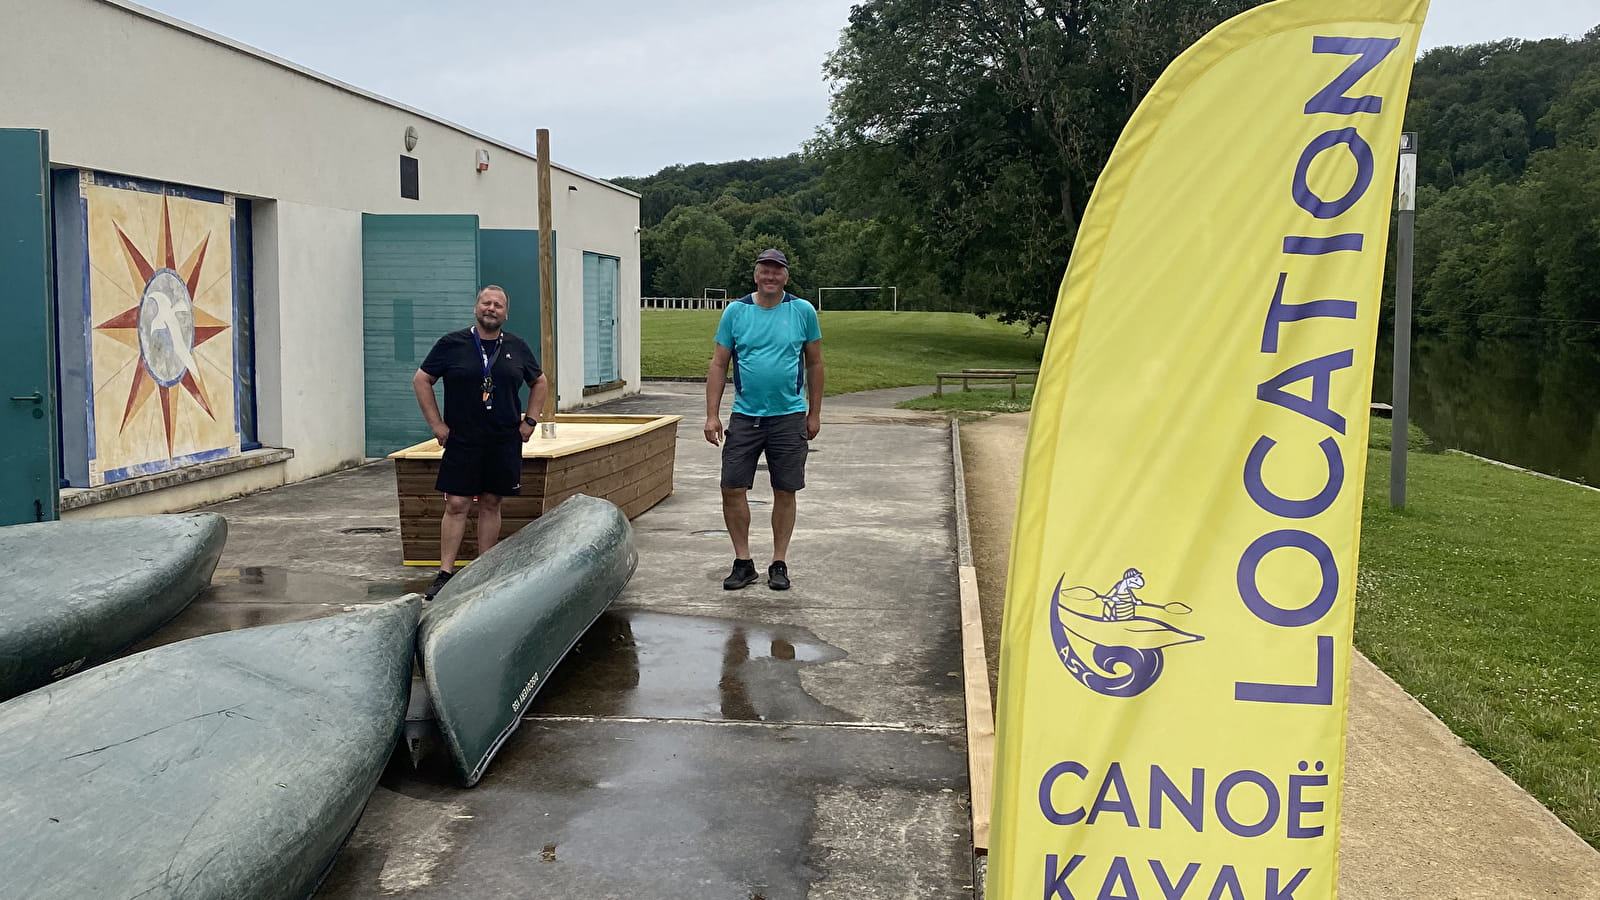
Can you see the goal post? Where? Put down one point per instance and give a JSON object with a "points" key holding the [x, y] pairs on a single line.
{"points": [[894, 294]]}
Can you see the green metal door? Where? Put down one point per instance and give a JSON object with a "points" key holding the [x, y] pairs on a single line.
{"points": [[510, 258], [29, 469], [420, 278]]}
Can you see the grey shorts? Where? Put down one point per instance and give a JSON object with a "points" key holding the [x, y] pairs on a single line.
{"points": [[782, 438]]}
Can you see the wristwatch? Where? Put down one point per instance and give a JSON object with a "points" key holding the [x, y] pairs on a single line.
{"points": [[531, 421]]}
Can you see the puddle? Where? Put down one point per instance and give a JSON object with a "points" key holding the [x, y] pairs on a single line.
{"points": [[273, 584], [658, 665]]}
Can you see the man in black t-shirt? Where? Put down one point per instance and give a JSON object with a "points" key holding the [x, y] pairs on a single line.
{"points": [[483, 427]]}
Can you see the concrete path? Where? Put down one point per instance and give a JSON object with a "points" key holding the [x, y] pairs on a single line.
{"points": [[697, 743], [1424, 815]]}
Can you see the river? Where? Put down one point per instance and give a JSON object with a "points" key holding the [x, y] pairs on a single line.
{"points": [[1534, 404]]}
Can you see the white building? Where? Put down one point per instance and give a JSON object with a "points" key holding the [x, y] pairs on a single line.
{"points": [[250, 259]]}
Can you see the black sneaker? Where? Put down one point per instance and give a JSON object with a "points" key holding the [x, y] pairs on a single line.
{"points": [[744, 572], [778, 575], [438, 582]]}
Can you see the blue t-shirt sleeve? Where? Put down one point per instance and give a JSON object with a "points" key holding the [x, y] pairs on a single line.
{"points": [[725, 327], [813, 329]]}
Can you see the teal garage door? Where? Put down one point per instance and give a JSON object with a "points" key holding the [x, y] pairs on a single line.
{"points": [[420, 275]]}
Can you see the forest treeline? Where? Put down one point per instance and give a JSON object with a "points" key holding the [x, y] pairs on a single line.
{"points": [[959, 156]]}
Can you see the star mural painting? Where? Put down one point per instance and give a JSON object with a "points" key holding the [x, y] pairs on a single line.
{"points": [[161, 291]]}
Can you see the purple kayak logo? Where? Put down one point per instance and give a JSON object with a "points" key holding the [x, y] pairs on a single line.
{"points": [[1111, 642]]}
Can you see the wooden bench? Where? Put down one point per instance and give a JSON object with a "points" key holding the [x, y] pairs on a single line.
{"points": [[966, 379], [966, 376]]}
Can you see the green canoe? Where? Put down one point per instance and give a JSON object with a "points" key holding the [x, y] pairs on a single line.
{"points": [[76, 593], [227, 766], [497, 629]]}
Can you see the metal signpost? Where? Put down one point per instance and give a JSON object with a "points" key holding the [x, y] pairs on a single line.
{"points": [[1401, 396]]}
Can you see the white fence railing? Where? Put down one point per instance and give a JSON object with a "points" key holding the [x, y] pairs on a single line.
{"points": [[682, 302]]}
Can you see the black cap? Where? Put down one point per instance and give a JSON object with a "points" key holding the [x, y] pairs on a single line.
{"points": [[773, 255]]}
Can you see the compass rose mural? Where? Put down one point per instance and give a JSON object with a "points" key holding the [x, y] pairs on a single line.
{"points": [[161, 318]]}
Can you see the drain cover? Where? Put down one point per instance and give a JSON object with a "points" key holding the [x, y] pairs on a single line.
{"points": [[367, 529]]}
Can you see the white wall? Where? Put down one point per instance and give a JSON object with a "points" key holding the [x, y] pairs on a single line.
{"points": [[308, 348], [125, 90], [594, 220]]}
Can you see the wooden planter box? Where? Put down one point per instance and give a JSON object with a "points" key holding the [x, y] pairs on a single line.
{"points": [[624, 459]]}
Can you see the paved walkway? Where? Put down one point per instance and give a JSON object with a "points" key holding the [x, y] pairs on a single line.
{"points": [[697, 744], [754, 744]]}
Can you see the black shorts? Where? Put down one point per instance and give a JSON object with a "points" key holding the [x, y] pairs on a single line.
{"points": [[782, 438], [468, 470]]}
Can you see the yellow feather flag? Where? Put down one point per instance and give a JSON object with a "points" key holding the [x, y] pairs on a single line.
{"points": [[1176, 646]]}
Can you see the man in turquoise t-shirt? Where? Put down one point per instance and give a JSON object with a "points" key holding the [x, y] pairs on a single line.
{"points": [[774, 345]]}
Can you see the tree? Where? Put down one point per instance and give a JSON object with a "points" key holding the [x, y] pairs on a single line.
{"points": [[657, 200], [687, 252], [741, 277], [974, 131], [698, 264]]}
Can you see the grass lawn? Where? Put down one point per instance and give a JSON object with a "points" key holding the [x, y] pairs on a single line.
{"points": [[864, 350], [1482, 599]]}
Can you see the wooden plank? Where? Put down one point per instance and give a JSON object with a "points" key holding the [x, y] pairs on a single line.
{"points": [[423, 542], [623, 457], [615, 484], [980, 711], [432, 507], [1020, 373], [571, 437]]}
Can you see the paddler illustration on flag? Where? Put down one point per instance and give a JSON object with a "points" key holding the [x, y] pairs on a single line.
{"points": [[1107, 642]]}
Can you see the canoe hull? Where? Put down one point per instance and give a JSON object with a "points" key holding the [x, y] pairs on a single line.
{"points": [[497, 629], [76, 593], [229, 765]]}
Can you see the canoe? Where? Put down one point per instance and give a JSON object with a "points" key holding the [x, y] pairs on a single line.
{"points": [[492, 635], [230, 765], [77, 593]]}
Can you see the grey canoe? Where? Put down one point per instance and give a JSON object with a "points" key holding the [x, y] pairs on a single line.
{"points": [[497, 629], [75, 593], [231, 765]]}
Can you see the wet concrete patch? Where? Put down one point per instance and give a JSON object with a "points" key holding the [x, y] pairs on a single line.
{"points": [[251, 596], [860, 832], [405, 858], [277, 584], [673, 809], [210, 618], [650, 664]]}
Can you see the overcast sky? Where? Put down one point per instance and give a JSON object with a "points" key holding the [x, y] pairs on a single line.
{"points": [[627, 87]]}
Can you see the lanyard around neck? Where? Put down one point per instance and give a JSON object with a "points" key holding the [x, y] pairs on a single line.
{"points": [[487, 358]]}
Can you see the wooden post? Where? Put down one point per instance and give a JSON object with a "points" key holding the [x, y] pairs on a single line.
{"points": [[547, 279]]}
